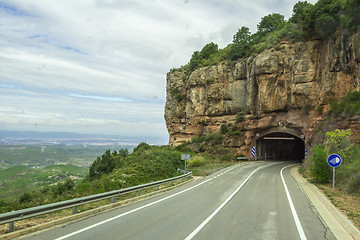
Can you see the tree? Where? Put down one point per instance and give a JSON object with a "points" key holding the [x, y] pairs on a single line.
{"points": [[104, 164], [325, 26], [303, 16], [195, 60], [241, 43], [198, 58], [327, 17], [351, 17], [242, 36], [140, 146], [208, 50], [338, 141], [270, 23], [123, 152]]}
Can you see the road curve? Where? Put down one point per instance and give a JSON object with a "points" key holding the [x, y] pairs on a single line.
{"points": [[254, 200]]}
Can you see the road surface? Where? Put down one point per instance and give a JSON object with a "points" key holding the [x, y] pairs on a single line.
{"points": [[254, 200]]}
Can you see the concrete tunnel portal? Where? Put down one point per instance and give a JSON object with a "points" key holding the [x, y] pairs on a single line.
{"points": [[280, 146]]}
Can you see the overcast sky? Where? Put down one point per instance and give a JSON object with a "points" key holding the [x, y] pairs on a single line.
{"points": [[99, 66]]}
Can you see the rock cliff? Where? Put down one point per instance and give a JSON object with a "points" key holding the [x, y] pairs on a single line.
{"points": [[273, 90]]}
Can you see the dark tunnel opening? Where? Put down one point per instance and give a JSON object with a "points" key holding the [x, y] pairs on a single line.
{"points": [[280, 146]]}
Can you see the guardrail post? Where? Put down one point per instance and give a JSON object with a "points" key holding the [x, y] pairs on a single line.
{"points": [[182, 179], [139, 193], [11, 226], [172, 183], [74, 210], [113, 200], [157, 189]]}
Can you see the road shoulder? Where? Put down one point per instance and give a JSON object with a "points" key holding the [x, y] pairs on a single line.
{"points": [[340, 225]]}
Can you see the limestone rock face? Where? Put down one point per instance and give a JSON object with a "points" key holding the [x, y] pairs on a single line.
{"points": [[301, 76]]}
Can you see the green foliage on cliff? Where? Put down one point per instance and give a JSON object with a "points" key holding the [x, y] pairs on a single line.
{"points": [[348, 106], [308, 21], [209, 55]]}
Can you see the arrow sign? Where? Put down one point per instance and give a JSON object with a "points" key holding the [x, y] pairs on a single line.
{"points": [[334, 160]]}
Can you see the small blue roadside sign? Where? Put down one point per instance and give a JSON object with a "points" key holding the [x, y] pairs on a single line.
{"points": [[334, 160]]}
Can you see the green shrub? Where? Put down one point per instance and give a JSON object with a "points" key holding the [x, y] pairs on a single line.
{"points": [[209, 138], [179, 97], [223, 128], [338, 141], [277, 47], [307, 109], [354, 184], [226, 158], [320, 109], [218, 139], [198, 139], [175, 91], [348, 106], [240, 118], [210, 81], [142, 145], [320, 169], [25, 198], [197, 161]]}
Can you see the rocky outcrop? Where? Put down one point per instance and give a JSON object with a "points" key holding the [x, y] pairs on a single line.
{"points": [[273, 89]]}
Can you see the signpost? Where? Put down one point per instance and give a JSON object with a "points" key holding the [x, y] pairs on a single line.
{"points": [[185, 157], [334, 161], [253, 152]]}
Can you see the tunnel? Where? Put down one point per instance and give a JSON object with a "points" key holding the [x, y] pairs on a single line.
{"points": [[280, 146]]}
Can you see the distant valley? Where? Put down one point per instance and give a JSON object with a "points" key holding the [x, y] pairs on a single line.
{"points": [[30, 160]]}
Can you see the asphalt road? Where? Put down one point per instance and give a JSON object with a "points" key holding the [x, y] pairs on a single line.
{"points": [[245, 201]]}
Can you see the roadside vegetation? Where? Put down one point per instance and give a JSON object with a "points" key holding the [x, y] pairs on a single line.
{"points": [[309, 21], [347, 183], [114, 170], [338, 141]]}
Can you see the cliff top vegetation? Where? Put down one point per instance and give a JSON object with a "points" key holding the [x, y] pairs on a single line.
{"points": [[308, 21]]}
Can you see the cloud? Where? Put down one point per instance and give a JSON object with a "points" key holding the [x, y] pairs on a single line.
{"points": [[99, 66]]}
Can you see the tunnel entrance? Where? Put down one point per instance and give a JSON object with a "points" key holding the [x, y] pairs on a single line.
{"points": [[280, 146]]}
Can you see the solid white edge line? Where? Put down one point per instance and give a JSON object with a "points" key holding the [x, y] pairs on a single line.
{"points": [[126, 213], [202, 225], [293, 211]]}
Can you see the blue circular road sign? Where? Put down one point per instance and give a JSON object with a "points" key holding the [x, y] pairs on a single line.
{"points": [[334, 160]]}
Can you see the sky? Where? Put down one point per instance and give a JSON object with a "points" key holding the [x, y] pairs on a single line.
{"points": [[99, 66]]}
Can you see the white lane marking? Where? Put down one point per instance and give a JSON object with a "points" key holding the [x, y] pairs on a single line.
{"points": [[126, 213], [293, 211], [202, 225]]}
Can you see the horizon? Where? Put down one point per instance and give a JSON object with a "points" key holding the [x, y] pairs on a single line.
{"points": [[27, 137]]}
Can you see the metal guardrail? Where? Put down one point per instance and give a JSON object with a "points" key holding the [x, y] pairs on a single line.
{"points": [[245, 158], [14, 216], [251, 158]]}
